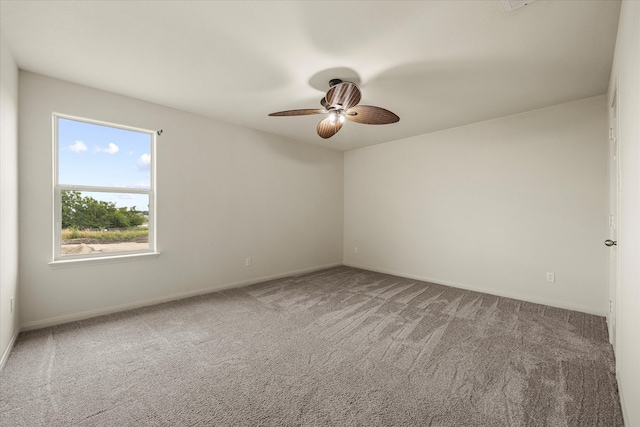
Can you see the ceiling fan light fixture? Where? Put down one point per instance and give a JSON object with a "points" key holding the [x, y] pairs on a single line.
{"points": [[336, 116], [341, 102]]}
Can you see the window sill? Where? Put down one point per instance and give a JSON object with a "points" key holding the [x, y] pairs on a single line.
{"points": [[111, 259]]}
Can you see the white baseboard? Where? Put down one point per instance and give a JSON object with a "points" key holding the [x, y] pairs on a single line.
{"points": [[129, 306], [58, 320], [512, 295], [7, 351]]}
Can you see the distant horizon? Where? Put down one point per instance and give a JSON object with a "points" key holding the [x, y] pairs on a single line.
{"points": [[104, 156]]}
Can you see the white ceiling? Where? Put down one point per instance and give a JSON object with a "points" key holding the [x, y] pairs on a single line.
{"points": [[436, 64]]}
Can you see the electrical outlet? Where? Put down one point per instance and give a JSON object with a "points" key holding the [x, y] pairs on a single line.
{"points": [[247, 262], [551, 277]]}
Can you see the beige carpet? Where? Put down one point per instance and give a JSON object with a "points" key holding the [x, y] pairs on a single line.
{"points": [[339, 347]]}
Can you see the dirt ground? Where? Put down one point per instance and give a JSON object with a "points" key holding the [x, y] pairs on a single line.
{"points": [[85, 248]]}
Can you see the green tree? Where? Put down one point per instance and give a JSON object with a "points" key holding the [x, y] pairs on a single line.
{"points": [[86, 212]]}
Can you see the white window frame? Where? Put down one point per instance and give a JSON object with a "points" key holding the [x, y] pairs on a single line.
{"points": [[57, 198]]}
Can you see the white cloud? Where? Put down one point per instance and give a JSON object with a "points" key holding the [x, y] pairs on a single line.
{"points": [[113, 148], [127, 196], [78, 146], [144, 162]]}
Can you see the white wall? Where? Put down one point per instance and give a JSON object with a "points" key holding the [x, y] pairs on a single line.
{"points": [[8, 199], [490, 206], [626, 70], [224, 193]]}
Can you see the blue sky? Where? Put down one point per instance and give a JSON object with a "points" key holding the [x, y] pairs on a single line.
{"points": [[96, 155]]}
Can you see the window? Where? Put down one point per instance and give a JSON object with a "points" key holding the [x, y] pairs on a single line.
{"points": [[104, 189]]}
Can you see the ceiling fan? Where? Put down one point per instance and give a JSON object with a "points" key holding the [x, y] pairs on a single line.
{"points": [[341, 102]]}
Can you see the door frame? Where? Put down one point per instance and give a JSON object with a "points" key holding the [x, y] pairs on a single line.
{"points": [[614, 214]]}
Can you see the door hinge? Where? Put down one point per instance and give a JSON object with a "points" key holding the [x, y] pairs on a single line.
{"points": [[610, 306], [612, 135]]}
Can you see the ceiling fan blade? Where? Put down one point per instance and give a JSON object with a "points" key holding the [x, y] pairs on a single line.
{"points": [[324, 103], [345, 94], [326, 129], [371, 115], [305, 112]]}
